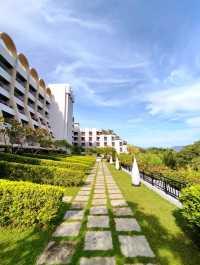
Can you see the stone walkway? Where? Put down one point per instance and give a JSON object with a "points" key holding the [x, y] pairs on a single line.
{"points": [[110, 234]]}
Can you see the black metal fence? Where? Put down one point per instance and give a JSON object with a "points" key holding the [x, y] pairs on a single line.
{"points": [[169, 186]]}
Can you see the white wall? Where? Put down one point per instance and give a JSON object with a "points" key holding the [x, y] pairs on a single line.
{"points": [[61, 111]]}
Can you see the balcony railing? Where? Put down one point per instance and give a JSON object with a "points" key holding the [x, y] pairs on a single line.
{"points": [[8, 70], [4, 86], [19, 97]]}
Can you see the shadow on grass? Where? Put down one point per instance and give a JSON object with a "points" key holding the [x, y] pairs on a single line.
{"points": [[22, 247], [165, 244], [166, 231]]}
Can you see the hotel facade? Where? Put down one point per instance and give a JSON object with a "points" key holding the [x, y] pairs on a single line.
{"points": [[92, 137], [25, 97]]}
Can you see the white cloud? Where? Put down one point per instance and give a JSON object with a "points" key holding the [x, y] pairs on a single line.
{"points": [[174, 100]]}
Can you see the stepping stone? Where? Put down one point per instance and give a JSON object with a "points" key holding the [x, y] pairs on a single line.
{"points": [[135, 246], [125, 211], [98, 210], [98, 240], [127, 224], [116, 203], [67, 199], [68, 229], [99, 202], [82, 198], [116, 196], [98, 221], [99, 191], [114, 191], [100, 196], [84, 193], [74, 215], [98, 261], [85, 189], [78, 205], [57, 253]]}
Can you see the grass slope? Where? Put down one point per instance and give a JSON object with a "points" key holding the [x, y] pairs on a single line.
{"points": [[161, 223]]}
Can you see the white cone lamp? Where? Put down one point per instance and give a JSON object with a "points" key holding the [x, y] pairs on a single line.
{"points": [[111, 160], [117, 163], [135, 174]]}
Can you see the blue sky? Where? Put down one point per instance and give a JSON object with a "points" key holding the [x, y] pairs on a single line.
{"points": [[134, 65]]}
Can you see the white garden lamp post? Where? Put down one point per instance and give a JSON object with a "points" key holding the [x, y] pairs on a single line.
{"points": [[117, 163], [135, 174], [111, 160]]}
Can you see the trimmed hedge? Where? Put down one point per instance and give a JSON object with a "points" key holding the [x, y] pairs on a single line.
{"points": [[190, 197], [25, 204], [40, 174], [43, 162]]}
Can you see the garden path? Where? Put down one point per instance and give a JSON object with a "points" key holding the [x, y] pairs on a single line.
{"points": [[99, 228]]}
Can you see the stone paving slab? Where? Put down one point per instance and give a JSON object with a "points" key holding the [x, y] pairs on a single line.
{"points": [[82, 198], [98, 221], [124, 211], [67, 229], [135, 246], [126, 224], [98, 240], [113, 191], [100, 196], [67, 199], [98, 261], [116, 203], [98, 210], [99, 191], [85, 189], [116, 196], [78, 205], [99, 202], [74, 215], [84, 193], [57, 253]]}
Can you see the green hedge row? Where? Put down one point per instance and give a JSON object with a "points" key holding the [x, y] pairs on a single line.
{"points": [[40, 174], [190, 197], [43, 162], [24, 204]]}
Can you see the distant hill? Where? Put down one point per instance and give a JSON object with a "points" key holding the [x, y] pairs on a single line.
{"points": [[177, 148]]}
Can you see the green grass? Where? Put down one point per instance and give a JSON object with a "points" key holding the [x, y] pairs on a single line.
{"points": [[161, 223], [22, 247]]}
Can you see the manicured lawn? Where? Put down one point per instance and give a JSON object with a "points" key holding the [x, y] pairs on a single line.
{"points": [[161, 223], [22, 247]]}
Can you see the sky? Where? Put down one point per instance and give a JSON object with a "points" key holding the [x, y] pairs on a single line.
{"points": [[134, 65]]}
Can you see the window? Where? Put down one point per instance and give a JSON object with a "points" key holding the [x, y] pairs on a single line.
{"points": [[120, 143], [98, 138], [82, 133], [113, 138], [113, 143], [105, 138], [90, 133], [90, 144], [83, 144], [82, 138], [120, 149], [97, 144], [75, 133], [105, 143], [90, 138]]}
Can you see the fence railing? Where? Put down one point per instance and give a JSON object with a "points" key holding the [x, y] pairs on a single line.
{"points": [[169, 186]]}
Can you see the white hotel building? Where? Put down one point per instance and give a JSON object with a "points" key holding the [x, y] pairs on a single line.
{"points": [[92, 137], [25, 97]]}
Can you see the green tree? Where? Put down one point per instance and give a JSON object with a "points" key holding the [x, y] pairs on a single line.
{"points": [[169, 159], [15, 132]]}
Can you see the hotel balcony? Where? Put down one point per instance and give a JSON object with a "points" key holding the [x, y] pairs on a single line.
{"points": [[4, 105], [4, 89], [5, 72]]}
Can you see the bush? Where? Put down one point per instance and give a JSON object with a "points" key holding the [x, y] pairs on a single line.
{"points": [[40, 174], [190, 197], [35, 161], [26, 204]]}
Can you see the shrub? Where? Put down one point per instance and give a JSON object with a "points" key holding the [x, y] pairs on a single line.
{"points": [[35, 161], [190, 197], [25, 204], [40, 174]]}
